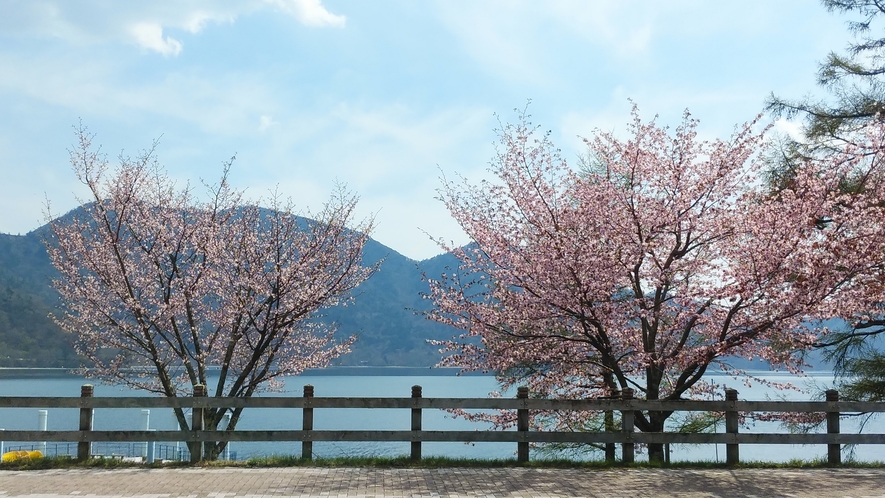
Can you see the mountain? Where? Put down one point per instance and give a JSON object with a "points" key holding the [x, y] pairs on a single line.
{"points": [[384, 314], [28, 337]]}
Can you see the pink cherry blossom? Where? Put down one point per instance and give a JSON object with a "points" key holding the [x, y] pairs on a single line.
{"points": [[667, 255], [159, 285]]}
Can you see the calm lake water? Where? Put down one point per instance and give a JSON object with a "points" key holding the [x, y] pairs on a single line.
{"points": [[378, 382]]}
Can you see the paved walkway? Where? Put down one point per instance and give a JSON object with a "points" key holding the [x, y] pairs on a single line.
{"points": [[447, 482]]}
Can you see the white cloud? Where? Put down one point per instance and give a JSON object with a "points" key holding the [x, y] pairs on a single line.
{"points": [[265, 122], [195, 21], [309, 12], [417, 86], [394, 143], [621, 28], [391, 154], [501, 38], [791, 128], [144, 23], [150, 36], [226, 104], [666, 105], [533, 41]]}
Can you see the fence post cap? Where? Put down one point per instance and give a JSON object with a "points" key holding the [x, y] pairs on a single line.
{"points": [[416, 391], [522, 392]]}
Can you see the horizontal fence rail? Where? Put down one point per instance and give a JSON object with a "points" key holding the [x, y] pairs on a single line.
{"points": [[446, 403], [624, 435]]}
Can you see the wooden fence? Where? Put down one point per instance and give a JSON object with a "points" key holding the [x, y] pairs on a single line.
{"points": [[626, 436]]}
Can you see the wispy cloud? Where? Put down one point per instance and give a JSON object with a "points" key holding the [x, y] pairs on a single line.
{"points": [[309, 12], [150, 36], [533, 41], [791, 128], [265, 122], [147, 24], [405, 93], [622, 29], [225, 104]]}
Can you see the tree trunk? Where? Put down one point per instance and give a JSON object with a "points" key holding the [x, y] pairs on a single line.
{"points": [[213, 450], [656, 452], [656, 424]]}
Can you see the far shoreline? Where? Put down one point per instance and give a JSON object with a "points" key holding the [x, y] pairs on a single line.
{"points": [[335, 371], [374, 371]]}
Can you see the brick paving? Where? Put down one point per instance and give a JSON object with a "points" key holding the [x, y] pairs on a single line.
{"points": [[444, 482]]}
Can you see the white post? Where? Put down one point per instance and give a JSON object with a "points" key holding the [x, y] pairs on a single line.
{"points": [[1, 444], [42, 425], [146, 425], [151, 450], [226, 422]]}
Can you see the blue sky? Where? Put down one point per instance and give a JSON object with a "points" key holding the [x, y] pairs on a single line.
{"points": [[385, 96]]}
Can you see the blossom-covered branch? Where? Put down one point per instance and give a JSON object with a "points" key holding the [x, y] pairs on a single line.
{"points": [[665, 256], [159, 285]]}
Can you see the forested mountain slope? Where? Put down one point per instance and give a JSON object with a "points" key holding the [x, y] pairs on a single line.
{"points": [[385, 312]]}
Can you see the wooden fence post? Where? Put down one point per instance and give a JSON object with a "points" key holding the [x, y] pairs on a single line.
{"points": [[416, 424], [522, 425], [197, 424], [834, 451], [307, 423], [732, 450], [627, 448], [84, 448]]}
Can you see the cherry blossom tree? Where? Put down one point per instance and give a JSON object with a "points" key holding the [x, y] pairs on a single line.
{"points": [[853, 80], [666, 256], [164, 290]]}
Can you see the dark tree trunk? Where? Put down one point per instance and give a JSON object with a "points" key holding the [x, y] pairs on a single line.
{"points": [[656, 422]]}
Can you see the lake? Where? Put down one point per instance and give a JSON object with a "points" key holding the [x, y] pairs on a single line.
{"points": [[380, 382]]}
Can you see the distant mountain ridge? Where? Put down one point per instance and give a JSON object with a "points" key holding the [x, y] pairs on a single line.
{"points": [[384, 314]]}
